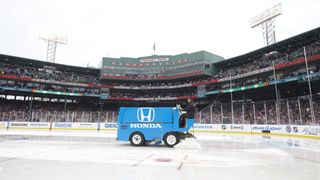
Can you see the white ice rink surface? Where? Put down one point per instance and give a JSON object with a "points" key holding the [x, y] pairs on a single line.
{"points": [[36, 155]]}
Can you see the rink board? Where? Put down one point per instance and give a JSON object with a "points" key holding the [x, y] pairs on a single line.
{"points": [[286, 130]]}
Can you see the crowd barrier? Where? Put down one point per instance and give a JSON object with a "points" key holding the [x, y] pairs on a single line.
{"points": [[281, 130], [57, 126]]}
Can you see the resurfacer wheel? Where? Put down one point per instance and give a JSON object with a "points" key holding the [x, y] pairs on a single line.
{"points": [[171, 139], [137, 139]]}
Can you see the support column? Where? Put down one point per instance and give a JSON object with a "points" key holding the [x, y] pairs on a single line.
{"points": [[65, 104], [300, 115], [72, 117], [31, 117], [221, 114], [254, 113], [288, 109], [211, 118], [243, 113], [30, 104], [265, 112]]}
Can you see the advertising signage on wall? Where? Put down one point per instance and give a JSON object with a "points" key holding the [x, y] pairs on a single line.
{"points": [[147, 60], [292, 130]]}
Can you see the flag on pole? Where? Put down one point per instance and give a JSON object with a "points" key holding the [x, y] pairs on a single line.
{"points": [[154, 47]]}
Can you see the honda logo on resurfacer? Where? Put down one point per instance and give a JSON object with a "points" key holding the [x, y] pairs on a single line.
{"points": [[145, 114]]}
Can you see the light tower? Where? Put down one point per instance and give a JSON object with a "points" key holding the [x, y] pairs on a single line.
{"points": [[53, 41], [266, 20]]}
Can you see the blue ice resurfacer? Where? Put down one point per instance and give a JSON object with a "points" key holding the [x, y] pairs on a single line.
{"points": [[140, 125]]}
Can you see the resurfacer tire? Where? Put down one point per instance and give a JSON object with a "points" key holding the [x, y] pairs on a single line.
{"points": [[137, 139], [171, 139]]}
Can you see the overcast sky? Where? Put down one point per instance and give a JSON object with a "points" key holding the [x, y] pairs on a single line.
{"points": [[129, 28]]}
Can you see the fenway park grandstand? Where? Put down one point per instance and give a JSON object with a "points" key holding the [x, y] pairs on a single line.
{"points": [[277, 84]]}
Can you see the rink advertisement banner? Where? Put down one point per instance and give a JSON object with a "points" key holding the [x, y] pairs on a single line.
{"points": [[247, 128], [223, 127], [19, 124], [290, 130], [3, 124], [307, 130], [39, 125], [83, 125], [271, 128], [105, 126], [204, 126], [74, 126], [236, 127], [29, 125]]}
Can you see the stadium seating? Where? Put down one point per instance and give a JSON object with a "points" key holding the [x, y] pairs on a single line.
{"points": [[261, 70]]}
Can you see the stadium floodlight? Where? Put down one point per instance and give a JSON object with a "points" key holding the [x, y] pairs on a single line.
{"points": [[266, 20], [53, 41]]}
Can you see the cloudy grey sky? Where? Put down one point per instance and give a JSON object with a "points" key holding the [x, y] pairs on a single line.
{"points": [[128, 28]]}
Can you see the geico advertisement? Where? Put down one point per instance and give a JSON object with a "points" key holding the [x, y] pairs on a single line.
{"points": [[108, 125]]}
